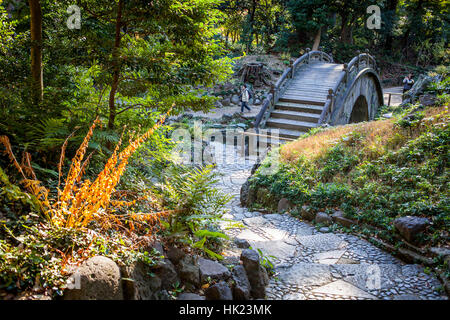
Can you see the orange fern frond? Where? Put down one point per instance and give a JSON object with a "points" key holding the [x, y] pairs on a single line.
{"points": [[62, 156], [76, 164], [5, 141], [27, 166]]}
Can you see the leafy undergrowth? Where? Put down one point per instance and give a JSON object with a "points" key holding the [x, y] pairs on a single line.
{"points": [[140, 195], [374, 172]]}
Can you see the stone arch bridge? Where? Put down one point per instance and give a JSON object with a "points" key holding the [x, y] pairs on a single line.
{"points": [[315, 91]]}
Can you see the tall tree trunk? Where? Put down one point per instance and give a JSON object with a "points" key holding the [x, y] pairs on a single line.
{"points": [[391, 8], [346, 29], [252, 21], [317, 39], [36, 51], [116, 68]]}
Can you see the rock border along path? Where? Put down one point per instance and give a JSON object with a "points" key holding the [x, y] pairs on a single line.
{"points": [[312, 265]]}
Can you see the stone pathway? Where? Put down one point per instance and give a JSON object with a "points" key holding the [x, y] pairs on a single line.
{"points": [[313, 265], [396, 98]]}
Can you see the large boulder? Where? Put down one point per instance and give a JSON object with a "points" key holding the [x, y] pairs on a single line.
{"points": [[409, 226], [428, 100], [235, 99], [241, 288], [137, 282], [226, 102], [242, 243], [418, 88], [98, 278], [283, 205], [323, 218], [219, 291], [190, 296], [307, 213], [157, 246], [257, 274], [166, 271], [175, 254], [213, 270], [338, 217], [247, 194], [189, 271]]}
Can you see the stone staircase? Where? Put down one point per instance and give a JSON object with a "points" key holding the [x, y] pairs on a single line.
{"points": [[299, 107]]}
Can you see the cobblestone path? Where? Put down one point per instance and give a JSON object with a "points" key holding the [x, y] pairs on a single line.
{"points": [[314, 265]]}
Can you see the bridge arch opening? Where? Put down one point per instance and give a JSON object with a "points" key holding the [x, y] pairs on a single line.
{"points": [[360, 111]]}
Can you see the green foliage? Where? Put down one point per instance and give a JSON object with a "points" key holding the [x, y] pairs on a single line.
{"points": [[266, 261], [34, 254], [11, 195], [6, 31], [190, 192], [440, 87]]}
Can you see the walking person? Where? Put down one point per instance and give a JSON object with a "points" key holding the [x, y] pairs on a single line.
{"points": [[245, 98], [408, 82]]}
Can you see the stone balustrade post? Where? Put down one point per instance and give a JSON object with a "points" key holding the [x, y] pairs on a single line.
{"points": [[331, 98], [346, 72]]}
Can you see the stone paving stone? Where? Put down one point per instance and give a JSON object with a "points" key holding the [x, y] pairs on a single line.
{"points": [[304, 230], [274, 233], [279, 249], [322, 242], [250, 236], [368, 276], [328, 257], [255, 221], [307, 274], [340, 287]]}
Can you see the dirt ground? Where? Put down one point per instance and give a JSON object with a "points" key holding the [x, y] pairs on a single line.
{"points": [[272, 62]]}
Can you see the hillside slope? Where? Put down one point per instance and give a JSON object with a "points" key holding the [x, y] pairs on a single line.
{"points": [[373, 172]]}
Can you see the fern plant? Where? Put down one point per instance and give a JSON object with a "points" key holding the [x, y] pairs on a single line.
{"points": [[190, 192]]}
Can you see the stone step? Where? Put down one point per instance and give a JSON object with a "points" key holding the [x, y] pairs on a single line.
{"points": [[283, 105], [290, 124], [308, 91], [300, 100], [294, 115], [304, 98]]}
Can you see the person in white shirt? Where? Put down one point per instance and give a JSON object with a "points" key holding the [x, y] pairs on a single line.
{"points": [[408, 82], [245, 97]]}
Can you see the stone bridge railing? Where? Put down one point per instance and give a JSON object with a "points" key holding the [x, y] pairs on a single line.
{"points": [[350, 72], [278, 89]]}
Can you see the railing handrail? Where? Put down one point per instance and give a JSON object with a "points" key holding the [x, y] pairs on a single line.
{"points": [[360, 57], [261, 113], [282, 78], [343, 78]]}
